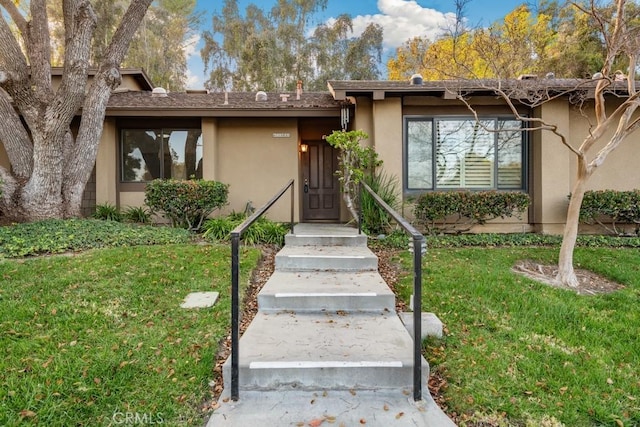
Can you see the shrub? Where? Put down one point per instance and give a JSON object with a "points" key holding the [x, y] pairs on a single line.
{"points": [[261, 231], [375, 219], [186, 203], [458, 211], [610, 208], [140, 215], [107, 211], [57, 235]]}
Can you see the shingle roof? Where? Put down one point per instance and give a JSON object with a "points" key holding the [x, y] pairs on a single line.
{"points": [[214, 103], [342, 88]]}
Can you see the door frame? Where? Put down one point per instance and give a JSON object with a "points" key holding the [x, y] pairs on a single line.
{"points": [[304, 174]]}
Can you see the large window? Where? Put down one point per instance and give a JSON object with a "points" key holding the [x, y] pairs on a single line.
{"points": [[462, 153], [147, 154]]}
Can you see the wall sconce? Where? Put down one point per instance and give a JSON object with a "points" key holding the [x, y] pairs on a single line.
{"points": [[304, 148]]}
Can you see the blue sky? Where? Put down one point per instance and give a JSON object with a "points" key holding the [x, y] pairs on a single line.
{"points": [[400, 20]]}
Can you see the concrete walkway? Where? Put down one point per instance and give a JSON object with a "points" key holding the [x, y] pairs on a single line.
{"points": [[327, 346]]}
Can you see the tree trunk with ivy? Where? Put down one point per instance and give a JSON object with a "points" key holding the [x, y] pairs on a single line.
{"points": [[50, 165]]}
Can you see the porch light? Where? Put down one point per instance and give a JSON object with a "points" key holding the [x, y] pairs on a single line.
{"points": [[304, 148]]}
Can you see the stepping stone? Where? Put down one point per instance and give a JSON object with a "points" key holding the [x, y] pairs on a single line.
{"points": [[200, 300]]}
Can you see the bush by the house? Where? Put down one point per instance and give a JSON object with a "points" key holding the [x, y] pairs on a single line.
{"points": [[186, 203], [458, 211], [611, 210], [107, 212], [138, 214], [261, 231], [375, 220]]}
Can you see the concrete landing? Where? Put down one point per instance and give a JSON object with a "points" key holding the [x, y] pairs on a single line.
{"points": [[329, 408]]}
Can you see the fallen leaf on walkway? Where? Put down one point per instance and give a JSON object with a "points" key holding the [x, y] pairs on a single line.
{"points": [[400, 415], [316, 422], [385, 407]]}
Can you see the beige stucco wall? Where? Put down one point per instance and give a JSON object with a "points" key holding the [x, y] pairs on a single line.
{"points": [[554, 165], [363, 118], [106, 164], [383, 121], [240, 152], [551, 169], [256, 164], [620, 170], [387, 135]]}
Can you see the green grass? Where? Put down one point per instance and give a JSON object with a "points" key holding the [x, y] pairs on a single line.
{"points": [[90, 339], [522, 353]]}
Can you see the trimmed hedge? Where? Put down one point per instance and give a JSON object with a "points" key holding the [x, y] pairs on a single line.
{"points": [[458, 211], [610, 208], [186, 203], [399, 240]]}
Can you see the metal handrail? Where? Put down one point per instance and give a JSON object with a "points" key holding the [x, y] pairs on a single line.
{"points": [[235, 287], [417, 286]]}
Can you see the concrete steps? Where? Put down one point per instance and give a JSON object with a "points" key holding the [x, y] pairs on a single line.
{"points": [[334, 258], [325, 350], [326, 325], [326, 290]]}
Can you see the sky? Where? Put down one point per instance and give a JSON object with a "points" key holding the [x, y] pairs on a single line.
{"points": [[400, 20]]}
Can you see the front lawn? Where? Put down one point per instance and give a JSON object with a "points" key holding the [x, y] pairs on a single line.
{"points": [[516, 352], [99, 338]]}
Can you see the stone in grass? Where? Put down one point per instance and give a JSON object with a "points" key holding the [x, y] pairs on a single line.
{"points": [[431, 325], [200, 300]]}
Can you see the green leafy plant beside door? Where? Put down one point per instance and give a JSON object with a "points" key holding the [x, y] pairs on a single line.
{"points": [[358, 163]]}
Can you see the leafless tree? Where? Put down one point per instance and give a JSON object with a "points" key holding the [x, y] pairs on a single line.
{"points": [[611, 124]]}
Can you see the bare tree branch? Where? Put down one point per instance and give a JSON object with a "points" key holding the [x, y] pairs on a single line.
{"points": [[15, 139], [16, 16], [71, 93], [39, 49]]}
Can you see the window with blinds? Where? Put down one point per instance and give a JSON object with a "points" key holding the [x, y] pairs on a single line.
{"points": [[463, 153]]}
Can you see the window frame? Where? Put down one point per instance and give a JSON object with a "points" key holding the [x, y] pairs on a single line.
{"points": [[525, 155], [146, 123]]}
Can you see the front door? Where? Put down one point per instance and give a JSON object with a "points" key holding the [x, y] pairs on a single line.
{"points": [[320, 186]]}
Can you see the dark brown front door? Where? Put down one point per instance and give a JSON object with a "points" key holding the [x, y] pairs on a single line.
{"points": [[320, 186]]}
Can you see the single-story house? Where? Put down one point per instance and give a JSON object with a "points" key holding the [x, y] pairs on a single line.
{"points": [[257, 142]]}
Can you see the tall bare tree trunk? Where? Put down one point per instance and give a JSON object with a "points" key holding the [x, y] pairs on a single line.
{"points": [[566, 274]]}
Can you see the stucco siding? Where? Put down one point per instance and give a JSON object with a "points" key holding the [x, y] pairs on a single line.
{"points": [[620, 171], [551, 168], [256, 164], [387, 119], [107, 165]]}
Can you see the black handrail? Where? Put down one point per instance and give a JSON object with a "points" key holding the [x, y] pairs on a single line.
{"points": [[417, 286], [235, 287]]}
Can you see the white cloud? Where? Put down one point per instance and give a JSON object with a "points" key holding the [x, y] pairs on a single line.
{"points": [[191, 44], [193, 81], [195, 68], [404, 19]]}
